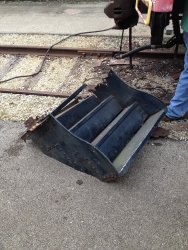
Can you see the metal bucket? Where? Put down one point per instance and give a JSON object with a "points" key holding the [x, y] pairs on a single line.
{"points": [[102, 134]]}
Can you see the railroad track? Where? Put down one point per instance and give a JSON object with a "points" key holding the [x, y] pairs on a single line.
{"points": [[20, 51], [38, 95], [83, 52]]}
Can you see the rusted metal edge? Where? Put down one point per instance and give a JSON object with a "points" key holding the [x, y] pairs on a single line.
{"points": [[83, 52], [31, 124], [38, 93]]}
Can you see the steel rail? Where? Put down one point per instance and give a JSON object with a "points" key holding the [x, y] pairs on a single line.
{"points": [[38, 93], [57, 51], [82, 52]]}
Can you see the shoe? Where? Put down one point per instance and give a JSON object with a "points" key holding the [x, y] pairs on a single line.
{"points": [[169, 119]]}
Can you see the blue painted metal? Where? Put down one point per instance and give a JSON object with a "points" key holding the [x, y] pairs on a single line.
{"points": [[102, 134]]}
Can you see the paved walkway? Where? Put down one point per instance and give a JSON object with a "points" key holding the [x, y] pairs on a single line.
{"points": [[42, 206], [58, 18]]}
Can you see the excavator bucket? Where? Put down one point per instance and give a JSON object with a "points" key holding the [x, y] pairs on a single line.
{"points": [[102, 134]]}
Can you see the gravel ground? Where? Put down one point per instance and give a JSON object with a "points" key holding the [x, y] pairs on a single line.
{"points": [[26, 65], [21, 107], [81, 41]]}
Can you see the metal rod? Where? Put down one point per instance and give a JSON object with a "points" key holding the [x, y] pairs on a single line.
{"points": [[121, 43], [69, 99], [130, 48], [35, 92]]}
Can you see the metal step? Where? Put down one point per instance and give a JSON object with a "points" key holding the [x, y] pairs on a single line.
{"points": [[125, 157], [96, 120], [114, 138], [98, 140], [71, 116]]}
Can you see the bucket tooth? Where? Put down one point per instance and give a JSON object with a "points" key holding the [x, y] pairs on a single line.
{"points": [[102, 134]]}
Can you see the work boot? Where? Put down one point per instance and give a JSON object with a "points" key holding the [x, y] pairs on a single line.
{"points": [[169, 119]]}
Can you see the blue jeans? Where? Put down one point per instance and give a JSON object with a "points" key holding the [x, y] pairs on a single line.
{"points": [[179, 103]]}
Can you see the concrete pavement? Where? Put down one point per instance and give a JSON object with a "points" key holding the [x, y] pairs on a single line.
{"points": [[43, 207], [58, 18]]}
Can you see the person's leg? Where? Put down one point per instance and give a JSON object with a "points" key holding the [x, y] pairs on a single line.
{"points": [[179, 104]]}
